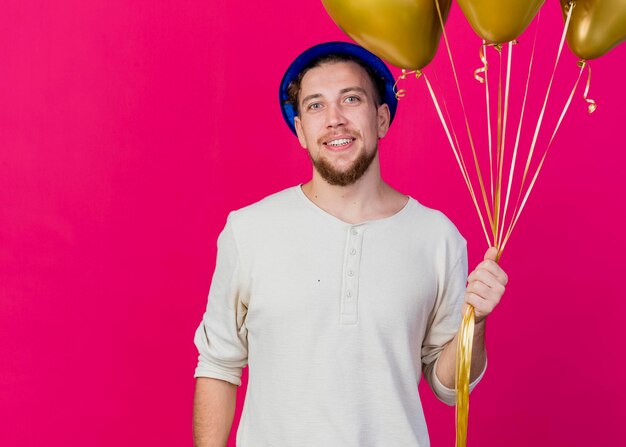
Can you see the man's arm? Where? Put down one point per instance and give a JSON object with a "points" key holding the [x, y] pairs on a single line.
{"points": [[213, 412], [486, 285], [447, 359], [222, 342]]}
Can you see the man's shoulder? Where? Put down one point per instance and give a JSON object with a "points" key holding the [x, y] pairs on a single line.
{"points": [[432, 216], [433, 222], [417, 215], [271, 208]]}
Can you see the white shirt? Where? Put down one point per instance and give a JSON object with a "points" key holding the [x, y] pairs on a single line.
{"points": [[336, 321]]}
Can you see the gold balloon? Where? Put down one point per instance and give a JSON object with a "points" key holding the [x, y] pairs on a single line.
{"points": [[499, 21], [405, 33], [596, 26]]}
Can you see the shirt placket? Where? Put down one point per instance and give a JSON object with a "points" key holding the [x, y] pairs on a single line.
{"points": [[350, 280]]}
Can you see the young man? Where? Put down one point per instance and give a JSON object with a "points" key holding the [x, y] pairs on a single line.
{"points": [[338, 293]]}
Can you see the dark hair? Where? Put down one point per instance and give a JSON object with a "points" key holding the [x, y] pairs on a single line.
{"points": [[293, 90]]}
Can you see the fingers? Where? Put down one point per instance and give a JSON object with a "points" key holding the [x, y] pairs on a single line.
{"points": [[491, 254], [481, 296], [495, 270], [485, 277], [489, 292], [481, 306], [486, 285]]}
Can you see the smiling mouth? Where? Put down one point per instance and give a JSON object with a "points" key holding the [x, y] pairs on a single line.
{"points": [[339, 142]]}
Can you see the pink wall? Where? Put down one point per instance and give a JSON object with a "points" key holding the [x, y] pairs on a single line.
{"points": [[130, 129]]}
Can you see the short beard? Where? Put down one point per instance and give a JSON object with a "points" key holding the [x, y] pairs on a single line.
{"points": [[348, 177]]}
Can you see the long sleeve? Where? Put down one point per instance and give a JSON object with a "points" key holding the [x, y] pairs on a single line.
{"points": [[221, 338], [445, 323]]}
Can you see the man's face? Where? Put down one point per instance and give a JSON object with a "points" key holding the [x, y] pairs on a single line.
{"points": [[339, 123]]}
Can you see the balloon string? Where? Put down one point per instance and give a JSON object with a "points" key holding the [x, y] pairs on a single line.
{"points": [[455, 148], [485, 80], [469, 133], [592, 106], [545, 102], [449, 118], [558, 125], [483, 69], [457, 155], [519, 127], [516, 212], [402, 92], [461, 371], [502, 116], [463, 363], [498, 207], [496, 198]]}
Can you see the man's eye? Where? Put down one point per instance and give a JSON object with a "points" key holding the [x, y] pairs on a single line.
{"points": [[353, 99], [314, 106]]}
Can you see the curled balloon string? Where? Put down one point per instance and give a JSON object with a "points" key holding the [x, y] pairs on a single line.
{"points": [[591, 104], [483, 69], [483, 58], [402, 92]]}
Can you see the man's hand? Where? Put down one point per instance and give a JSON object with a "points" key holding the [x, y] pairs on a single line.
{"points": [[485, 286]]}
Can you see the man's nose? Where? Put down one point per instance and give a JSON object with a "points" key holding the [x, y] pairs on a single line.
{"points": [[335, 116]]}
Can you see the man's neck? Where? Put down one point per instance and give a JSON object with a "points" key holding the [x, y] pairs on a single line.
{"points": [[369, 198]]}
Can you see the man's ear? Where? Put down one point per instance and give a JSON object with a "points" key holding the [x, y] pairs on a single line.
{"points": [[299, 131], [383, 117]]}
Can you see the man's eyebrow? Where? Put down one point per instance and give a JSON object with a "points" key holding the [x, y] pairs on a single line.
{"points": [[341, 92], [310, 97], [353, 89]]}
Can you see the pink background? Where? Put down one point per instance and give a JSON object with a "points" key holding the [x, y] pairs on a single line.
{"points": [[130, 129]]}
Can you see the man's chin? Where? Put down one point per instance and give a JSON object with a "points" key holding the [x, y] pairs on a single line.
{"points": [[346, 176], [336, 177]]}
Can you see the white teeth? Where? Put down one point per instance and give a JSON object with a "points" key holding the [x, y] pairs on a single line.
{"points": [[340, 142]]}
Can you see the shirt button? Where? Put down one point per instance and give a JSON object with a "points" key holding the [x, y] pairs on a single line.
{"points": [[355, 232], [351, 273], [349, 293], [353, 251]]}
